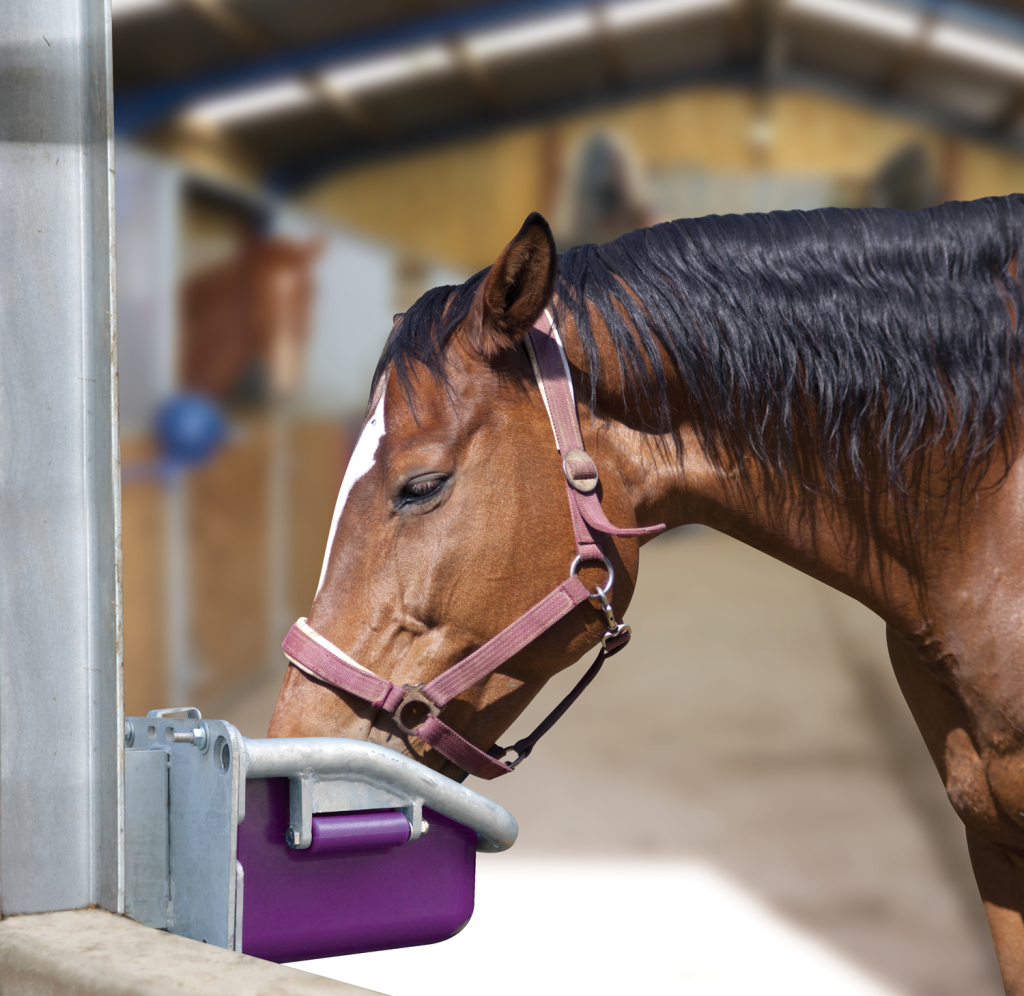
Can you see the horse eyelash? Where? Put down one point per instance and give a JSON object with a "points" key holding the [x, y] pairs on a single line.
{"points": [[408, 498]]}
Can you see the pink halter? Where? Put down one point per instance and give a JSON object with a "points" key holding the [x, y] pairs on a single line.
{"points": [[317, 656]]}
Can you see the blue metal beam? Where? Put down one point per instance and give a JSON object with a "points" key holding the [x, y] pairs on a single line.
{"points": [[139, 109]]}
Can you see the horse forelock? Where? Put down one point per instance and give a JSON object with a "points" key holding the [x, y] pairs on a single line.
{"points": [[423, 333], [873, 338]]}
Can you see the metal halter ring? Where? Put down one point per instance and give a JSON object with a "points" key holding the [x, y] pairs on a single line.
{"points": [[413, 694], [602, 592]]}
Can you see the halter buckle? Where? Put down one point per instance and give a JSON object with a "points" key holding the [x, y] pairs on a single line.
{"points": [[580, 470], [413, 693]]}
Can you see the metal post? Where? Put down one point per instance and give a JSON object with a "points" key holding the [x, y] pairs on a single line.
{"points": [[61, 703]]}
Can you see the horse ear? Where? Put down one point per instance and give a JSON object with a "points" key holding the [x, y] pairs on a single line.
{"points": [[518, 286]]}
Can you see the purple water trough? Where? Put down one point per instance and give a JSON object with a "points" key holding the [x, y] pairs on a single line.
{"points": [[357, 888]]}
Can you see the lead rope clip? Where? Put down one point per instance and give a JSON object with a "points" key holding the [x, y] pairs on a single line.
{"points": [[616, 630]]}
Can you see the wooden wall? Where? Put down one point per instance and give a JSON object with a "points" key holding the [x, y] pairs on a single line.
{"points": [[228, 562], [461, 203], [319, 453], [228, 535], [142, 531]]}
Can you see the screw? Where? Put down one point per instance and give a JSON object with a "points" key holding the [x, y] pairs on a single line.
{"points": [[198, 736], [129, 733]]}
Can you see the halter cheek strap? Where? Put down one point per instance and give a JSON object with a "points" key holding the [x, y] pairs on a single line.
{"points": [[318, 657]]}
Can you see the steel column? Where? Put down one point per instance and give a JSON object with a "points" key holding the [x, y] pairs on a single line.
{"points": [[61, 703]]}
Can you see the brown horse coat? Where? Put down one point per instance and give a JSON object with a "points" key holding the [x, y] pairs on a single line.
{"points": [[459, 524]]}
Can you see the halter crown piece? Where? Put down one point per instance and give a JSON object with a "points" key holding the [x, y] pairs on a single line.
{"points": [[318, 657]]}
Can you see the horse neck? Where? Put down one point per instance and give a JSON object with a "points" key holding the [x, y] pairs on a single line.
{"points": [[866, 550]]}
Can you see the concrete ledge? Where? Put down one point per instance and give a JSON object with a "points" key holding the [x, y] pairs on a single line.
{"points": [[95, 953]]}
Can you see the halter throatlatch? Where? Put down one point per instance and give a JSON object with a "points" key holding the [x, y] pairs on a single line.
{"points": [[317, 656]]}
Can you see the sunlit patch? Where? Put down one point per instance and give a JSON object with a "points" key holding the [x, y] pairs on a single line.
{"points": [[670, 926]]}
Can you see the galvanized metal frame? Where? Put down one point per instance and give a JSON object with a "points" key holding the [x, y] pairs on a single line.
{"points": [[184, 803], [61, 694], [336, 775]]}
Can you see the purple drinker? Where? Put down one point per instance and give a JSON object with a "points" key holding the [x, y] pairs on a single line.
{"points": [[330, 900], [296, 848]]}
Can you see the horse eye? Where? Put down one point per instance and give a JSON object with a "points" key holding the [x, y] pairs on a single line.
{"points": [[423, 487]]}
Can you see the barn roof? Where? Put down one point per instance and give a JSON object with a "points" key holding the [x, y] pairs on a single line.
{"points": [[308, 86]]}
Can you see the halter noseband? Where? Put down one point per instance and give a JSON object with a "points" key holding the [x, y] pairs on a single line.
{"points": [[317, 656]]}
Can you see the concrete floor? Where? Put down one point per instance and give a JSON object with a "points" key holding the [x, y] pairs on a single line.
{"points": [[754, 724]]}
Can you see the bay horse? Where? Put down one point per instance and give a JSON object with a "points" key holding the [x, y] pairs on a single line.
{"points": [[246, 320], [840, 389]]}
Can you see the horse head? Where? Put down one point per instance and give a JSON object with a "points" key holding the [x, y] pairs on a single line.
{"points": [[452, 520]]}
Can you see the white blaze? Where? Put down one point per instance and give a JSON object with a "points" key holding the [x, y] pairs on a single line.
{"points": [[362, 461]]}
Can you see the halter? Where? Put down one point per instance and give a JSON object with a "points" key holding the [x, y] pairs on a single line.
{"points": [[318, 657]]}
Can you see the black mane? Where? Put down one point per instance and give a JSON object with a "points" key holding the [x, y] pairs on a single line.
{"points": [[874, 332]]}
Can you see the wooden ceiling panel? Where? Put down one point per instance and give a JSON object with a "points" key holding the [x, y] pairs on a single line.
{"points": [[854, 56], [977, 97], [694, 44], [550, 77]]}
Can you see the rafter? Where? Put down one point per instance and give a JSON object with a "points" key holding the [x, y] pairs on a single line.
{"points": [[908, 63], [609, 51], [230, 24], [346, 106], [480, 79], [1011, 114]]}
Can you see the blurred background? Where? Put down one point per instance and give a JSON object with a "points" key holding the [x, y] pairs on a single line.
{"points": [[291, 175]]}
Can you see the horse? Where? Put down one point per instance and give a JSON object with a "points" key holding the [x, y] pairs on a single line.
{"points": [[246, 320], [840, 389]]}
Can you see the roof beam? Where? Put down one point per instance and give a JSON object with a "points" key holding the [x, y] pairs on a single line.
{"points": [[609, 51], [906, 65], [347, 107], [480, 79], [141, 109], [1011, 113], [230, 24]]}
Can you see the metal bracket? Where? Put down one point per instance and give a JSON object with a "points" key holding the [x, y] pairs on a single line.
{"points": [[309, 794], [191, 712], [300, 798], [414, 814], [183, 830]]}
